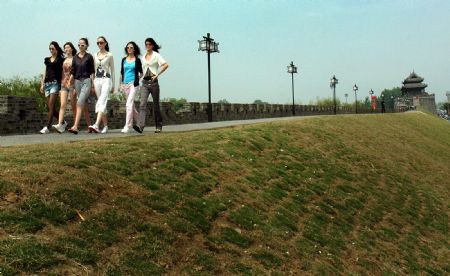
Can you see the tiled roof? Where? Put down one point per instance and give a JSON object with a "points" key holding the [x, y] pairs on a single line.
{"points": [[413, 78]]}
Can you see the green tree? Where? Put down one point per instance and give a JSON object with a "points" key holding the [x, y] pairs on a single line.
{"points": [[446, 107], [367, 103], [327, 102], [24, 87], [223, 101], [177, 104], [258, 101], [389, 96]]}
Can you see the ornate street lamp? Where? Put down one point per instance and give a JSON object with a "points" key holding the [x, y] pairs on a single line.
{"points": [[393, 103], [210, 46], [292, 69], [333, 82], [355, 88]]}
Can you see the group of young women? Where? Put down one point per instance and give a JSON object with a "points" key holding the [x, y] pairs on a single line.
{"points": [[80, 74]]}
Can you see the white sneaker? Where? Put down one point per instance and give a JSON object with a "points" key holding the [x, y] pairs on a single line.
{"points": [[64, 125], [125, 130], [94, 128], [44, 130], [60, 128], [105, 129]]}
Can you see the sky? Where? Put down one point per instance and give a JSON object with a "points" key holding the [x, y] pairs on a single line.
{"points": [[375, 44]]}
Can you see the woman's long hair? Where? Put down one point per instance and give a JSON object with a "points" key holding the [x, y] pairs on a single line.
{"points": [[86, 41], [74, 51], [137, 51], [156, 47], [106, 43], [59, 51]]}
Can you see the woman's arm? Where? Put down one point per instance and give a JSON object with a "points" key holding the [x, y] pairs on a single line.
{"points": [[72, 70], [42, 81], [92, 74], [121, 75], [161, 70], [140, 70], [113, 73]]}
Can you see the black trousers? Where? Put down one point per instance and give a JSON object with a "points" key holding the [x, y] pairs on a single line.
{"points": [[150, 87]]}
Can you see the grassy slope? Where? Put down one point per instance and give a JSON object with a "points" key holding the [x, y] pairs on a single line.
{"points": [[353, 194]]}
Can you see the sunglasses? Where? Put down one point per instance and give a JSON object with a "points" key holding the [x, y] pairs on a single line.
{"points": [[100, 42], [51, 49], [130, 47], [81, 45], [148, 44]]}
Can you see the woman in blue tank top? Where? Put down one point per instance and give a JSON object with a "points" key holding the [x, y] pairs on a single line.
{"points": [[130, 73]]}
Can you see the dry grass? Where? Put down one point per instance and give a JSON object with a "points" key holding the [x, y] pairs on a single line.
{"points": [[363, 194]]}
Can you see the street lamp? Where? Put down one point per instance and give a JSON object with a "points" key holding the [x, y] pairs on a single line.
{"points": [[346, 95], [210, 46], [292, 69], [333, 82], [355, 88], [393, 103]]}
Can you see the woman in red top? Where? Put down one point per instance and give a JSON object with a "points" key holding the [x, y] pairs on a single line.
{"points": [[67, 89]]}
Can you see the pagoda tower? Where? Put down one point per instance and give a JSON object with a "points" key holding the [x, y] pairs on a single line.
{"points": [[413, 86]]}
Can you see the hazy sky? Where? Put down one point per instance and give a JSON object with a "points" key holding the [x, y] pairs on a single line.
{"points": [[373, 43]]}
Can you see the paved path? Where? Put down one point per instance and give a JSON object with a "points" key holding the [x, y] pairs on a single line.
{"points": [[29, 139]]}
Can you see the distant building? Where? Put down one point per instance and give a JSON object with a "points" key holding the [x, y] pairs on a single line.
{"points": [[413, 86], [414, 94]]}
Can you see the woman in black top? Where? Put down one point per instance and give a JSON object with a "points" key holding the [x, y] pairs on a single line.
{"points": [[83, 73], [51, 82]]}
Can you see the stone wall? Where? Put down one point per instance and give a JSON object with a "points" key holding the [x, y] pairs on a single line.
{"points": [[426, 102], [19, 115]]}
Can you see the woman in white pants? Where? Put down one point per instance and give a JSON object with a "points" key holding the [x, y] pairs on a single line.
{"points": [[103, 83], [130, 74]]}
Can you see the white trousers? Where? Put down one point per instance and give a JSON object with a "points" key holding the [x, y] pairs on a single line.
{"points": [[102, 89], [130, 91]]}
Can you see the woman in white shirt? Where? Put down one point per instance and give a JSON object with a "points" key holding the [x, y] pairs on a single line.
{"points": [[103, 82], [153, 65]]}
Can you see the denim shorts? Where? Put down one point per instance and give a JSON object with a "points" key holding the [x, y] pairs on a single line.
{"points": [[51, 88], [67, 89]]}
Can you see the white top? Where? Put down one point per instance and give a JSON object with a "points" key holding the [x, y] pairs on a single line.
{"points": [[104, 66], [156, 60]]}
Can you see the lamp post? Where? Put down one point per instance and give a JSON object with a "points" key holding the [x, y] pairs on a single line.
{"points": [[346, 95], [333, 82], [292, 69], [393, 103], [210, 46], [355, 88]]}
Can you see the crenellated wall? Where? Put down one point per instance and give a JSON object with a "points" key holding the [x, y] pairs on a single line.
{"points": [[19, 115]]}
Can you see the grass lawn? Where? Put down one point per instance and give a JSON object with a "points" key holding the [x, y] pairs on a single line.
{"points": [[366, 194]]}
